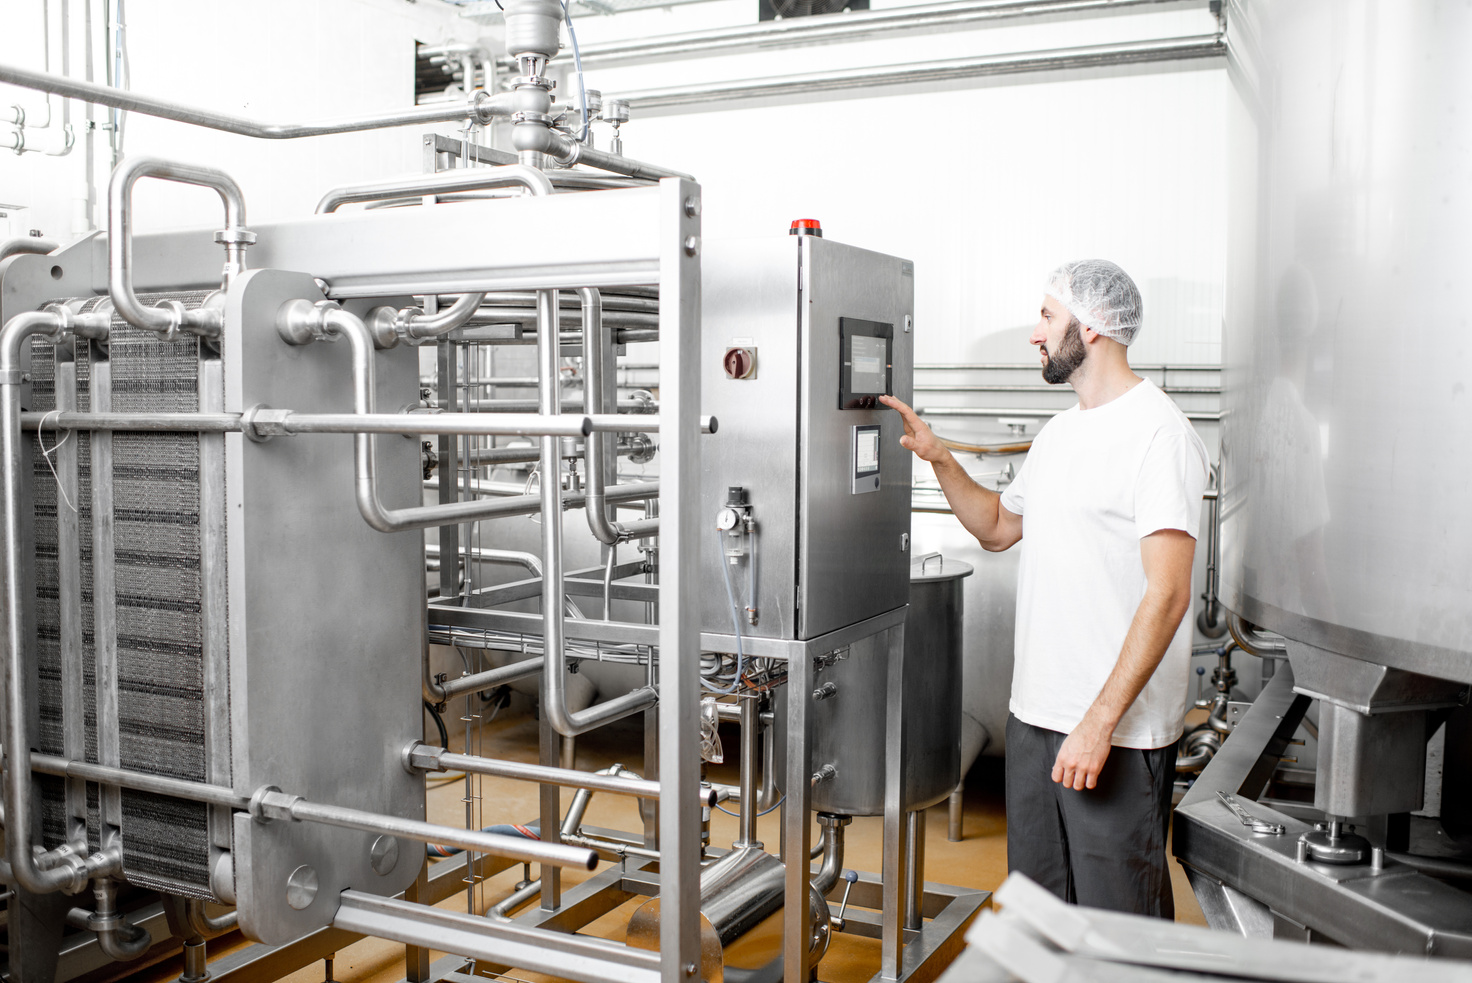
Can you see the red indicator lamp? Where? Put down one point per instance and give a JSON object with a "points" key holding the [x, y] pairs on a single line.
{"points": [[806, 227]]}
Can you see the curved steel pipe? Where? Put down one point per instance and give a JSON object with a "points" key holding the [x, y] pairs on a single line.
{"points": [[132, 102], [71, 874], [169, 320], [460, 179], [1259, 647], [420, 325], [297, 320], [27, 245], [554, 668], [595, 447], [119, 939], [832, 867]]}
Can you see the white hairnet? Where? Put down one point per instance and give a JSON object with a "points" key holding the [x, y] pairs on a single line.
{"points": [[1101, 295]]}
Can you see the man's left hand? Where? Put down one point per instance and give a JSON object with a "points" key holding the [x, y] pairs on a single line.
{"points": [[1082, 756]]}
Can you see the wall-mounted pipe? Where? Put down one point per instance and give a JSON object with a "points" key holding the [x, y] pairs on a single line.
{"points": [[846, 27], [445, 182], [171, 318], [132, 102], [978, 66]]}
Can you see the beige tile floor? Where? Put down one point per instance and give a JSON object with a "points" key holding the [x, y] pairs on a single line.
{"points": [[978, 860]]}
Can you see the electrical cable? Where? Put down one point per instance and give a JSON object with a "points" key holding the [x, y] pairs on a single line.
{"points": [[577, 61], [439, 723], [774, 806]]}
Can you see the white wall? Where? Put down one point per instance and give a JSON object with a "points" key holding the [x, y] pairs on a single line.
{"points": [[270, 60], [985, 184]]}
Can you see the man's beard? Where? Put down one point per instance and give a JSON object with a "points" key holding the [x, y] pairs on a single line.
{"points": [[1070, 355]]}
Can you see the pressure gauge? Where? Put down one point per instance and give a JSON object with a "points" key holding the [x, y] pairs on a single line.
{"points": [[726, 519]]}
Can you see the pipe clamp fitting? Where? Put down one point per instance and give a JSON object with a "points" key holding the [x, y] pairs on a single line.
{"points": [[419, 756], [260, 423], [236, 236], [269, 803]]}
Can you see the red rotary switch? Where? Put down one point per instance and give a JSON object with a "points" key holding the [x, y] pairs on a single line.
{"points": [[739, 363]]}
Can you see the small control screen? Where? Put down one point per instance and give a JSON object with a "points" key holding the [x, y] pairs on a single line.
{"points": [[866, 456], [866, 371], [866, 459]]}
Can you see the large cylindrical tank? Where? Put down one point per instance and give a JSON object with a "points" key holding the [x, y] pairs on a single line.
{"points": [[1347, 435], [849, 726]]}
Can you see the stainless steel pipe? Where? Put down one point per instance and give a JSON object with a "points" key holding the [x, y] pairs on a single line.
{"points": [[852, 26], [446, 182], [597, 467], [168, 320], [412, 324], [27, 245], [132, 102], [749, 808], [18, 788], [1057, 59], [554, 674]]}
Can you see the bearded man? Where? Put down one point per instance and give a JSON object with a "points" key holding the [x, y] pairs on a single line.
{"points": [[1107, 507]]}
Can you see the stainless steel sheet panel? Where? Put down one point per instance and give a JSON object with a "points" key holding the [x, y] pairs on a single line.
{"points": [[1346, 428], [749, 299], [853, 549], [326, 617]]}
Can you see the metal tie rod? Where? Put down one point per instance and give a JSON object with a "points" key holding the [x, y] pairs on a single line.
{"points": [[426, 757], [264, 422], [271, 803]]}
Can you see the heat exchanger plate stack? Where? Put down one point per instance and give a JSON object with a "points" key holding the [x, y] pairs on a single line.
{"points": [[157, 557]]}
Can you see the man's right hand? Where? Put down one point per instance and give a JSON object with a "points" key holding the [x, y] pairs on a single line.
{"points": [[918, 437]]}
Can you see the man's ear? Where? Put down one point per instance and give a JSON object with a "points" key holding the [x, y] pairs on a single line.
{"points": [[1088, 334]]}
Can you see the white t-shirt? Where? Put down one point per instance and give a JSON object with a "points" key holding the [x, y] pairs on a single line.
{"points": [[1094, 484]]}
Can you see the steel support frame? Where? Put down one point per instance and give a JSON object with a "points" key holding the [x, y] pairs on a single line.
{"points": [[657, 242], [904, 955]]}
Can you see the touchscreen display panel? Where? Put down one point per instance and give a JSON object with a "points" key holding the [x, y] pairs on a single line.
{"points": [[869, 359]]}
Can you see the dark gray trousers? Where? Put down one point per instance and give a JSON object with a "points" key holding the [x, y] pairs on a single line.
{"points": [[1103, 847]]}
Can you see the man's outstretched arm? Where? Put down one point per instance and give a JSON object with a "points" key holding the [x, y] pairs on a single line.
{"points": [[1167, 556], [979, 509]]}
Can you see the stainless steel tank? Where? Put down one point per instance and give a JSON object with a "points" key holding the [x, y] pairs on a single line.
{"points": [[1347, 436], [849, 724]]}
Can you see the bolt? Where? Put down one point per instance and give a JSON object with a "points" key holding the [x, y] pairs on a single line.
{"points": [[692, 245], [692, 206], [689, 969]]}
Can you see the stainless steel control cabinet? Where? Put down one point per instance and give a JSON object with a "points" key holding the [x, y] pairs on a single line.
{"points": [[795, 329]]}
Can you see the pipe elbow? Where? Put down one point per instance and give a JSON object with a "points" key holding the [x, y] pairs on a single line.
{"points": [[371, 509]]}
